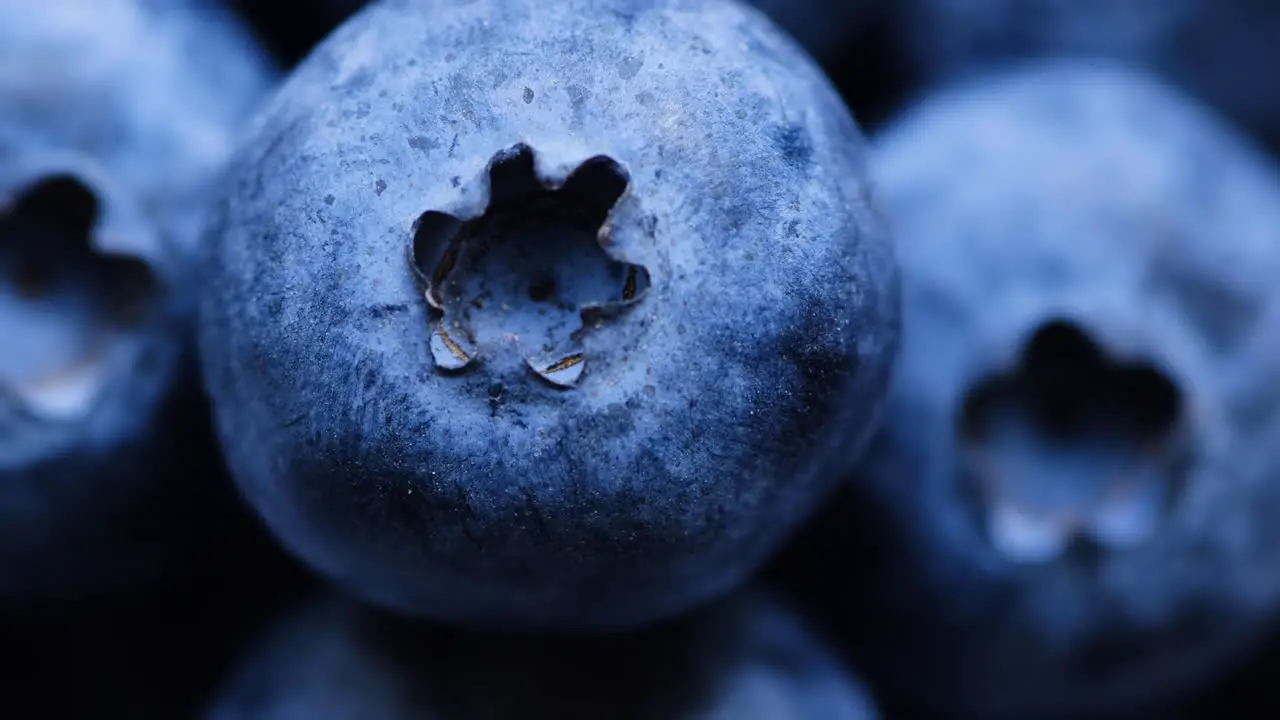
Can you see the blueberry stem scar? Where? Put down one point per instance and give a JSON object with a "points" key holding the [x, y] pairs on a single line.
{"points": [[1070, 443], [64, 305], [527, 268]]}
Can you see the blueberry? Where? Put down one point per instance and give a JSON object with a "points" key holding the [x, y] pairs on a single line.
{"points": [[113, 127], [153, 93], [747, 657], [1071, 502], [1207, 47], [547, 319]]}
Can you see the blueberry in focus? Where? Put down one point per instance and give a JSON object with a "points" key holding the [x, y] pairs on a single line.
{"points": [[743, 658], [1207, 47], [1070, 506], [547, 319], [113, 124]]}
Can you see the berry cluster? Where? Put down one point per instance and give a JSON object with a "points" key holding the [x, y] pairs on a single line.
{"points": [[579, 359]]}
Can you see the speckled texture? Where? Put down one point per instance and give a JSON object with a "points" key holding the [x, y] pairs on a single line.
{"points": [[1083, 192], [713, 414], [1214, 49], [745, 658], [121, 96]]}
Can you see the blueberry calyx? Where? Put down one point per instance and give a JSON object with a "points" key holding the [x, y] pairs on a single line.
{"points": [[1072, 445], [66, 306], [528, 269]]}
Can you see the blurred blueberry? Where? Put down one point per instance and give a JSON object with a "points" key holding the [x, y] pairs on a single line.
{"points": [[115, 117], [1212, 48], [149, 94], [556, 317], [291, 28], [1071, 505], [744, 658]]}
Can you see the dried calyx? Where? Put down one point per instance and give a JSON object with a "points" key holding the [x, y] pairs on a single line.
{"points": [[65, 306], [1070, 448], [527, 269]]}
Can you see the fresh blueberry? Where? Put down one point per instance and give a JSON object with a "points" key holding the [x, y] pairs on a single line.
{"points": [[1071, 505], [1208, 47], [113, 125], [744, 658], [554, 317]]}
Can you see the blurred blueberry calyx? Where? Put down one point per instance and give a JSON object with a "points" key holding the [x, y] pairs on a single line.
{"points": [[1070, 448], [66, 306], [530, 270]]}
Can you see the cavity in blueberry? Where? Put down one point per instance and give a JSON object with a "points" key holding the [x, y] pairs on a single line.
{"points": [[528, 269], [69, 304], [1070, 445]]}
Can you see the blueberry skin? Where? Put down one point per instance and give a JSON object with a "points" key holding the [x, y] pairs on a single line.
{"points": [[115, 117], [742, 658], [1088, 194], [1204, 46], [721, 397]]}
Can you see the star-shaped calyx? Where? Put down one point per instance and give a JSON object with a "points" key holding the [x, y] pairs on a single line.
{"points": [[531, 271], [1071, 445], [64, 305]]}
